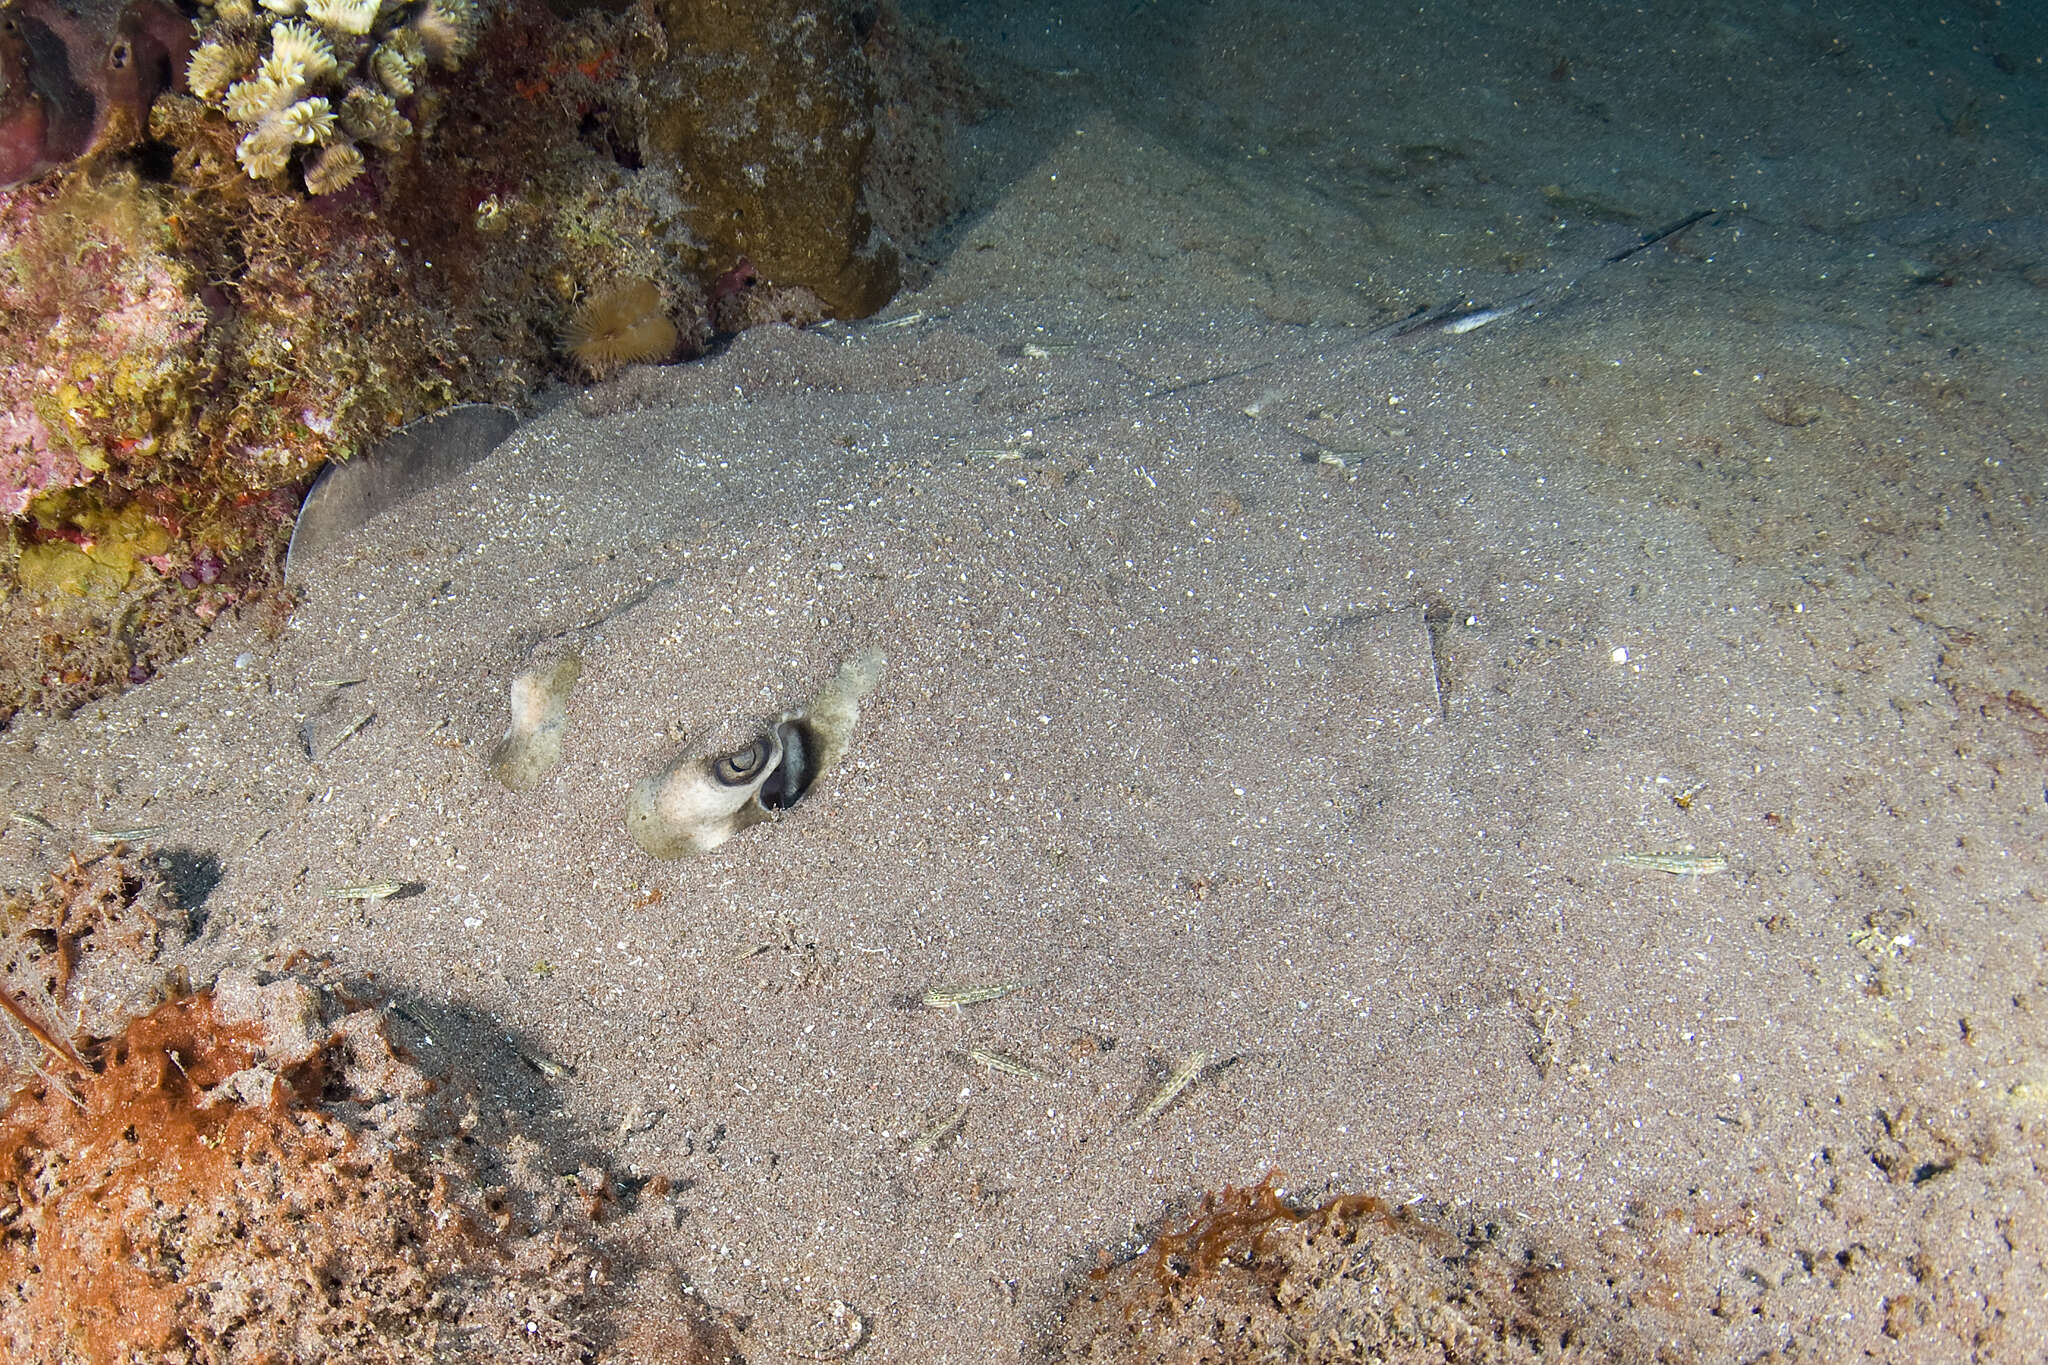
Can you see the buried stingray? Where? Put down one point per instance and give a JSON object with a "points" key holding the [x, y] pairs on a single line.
{"points": [[698, 800]]}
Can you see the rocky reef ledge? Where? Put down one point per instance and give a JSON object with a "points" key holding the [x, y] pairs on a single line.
{"points": [[239, 240]]}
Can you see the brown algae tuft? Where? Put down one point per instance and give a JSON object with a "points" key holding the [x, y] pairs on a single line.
{"points": [[372, 1230], [1252, 1278]]}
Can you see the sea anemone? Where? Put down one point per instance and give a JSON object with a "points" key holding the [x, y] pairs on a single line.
{"points": [[281, 71], [334, 169], [308, 121], [298, 43], [370, 116], [408, 44], [344, 16], [448, 29], [622, 326], [266, 151], [258, 97], [393, 69], [215, 66]]}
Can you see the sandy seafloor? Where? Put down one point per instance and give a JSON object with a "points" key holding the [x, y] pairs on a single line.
{"points": [[1262, 687]]}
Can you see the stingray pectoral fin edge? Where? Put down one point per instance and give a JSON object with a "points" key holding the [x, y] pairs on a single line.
{"points": [[419, 456]]}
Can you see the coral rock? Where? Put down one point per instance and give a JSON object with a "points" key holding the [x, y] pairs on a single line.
{"points": [[77, 77], [783, 183], [336, 68], [189, 336]]}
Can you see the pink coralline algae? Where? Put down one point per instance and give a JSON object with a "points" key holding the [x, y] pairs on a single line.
{"points": [[99, 335], [27, 464]]}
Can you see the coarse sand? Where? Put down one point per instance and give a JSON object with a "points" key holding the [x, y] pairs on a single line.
{"points": [[1275, 706]]}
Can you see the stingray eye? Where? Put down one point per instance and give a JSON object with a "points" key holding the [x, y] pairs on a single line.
{"points": [[742, 766]]}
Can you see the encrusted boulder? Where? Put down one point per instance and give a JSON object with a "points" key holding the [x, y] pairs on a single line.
{"points": [[767, 110], [79, 75]]}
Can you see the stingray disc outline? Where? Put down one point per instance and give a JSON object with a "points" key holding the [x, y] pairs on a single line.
{"points": [[348, 494]]}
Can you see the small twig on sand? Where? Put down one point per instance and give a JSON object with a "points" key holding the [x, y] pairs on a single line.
{"points": [[61, 1050]]}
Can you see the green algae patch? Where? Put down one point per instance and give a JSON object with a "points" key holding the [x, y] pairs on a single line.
{"points": [[86, 551]]}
